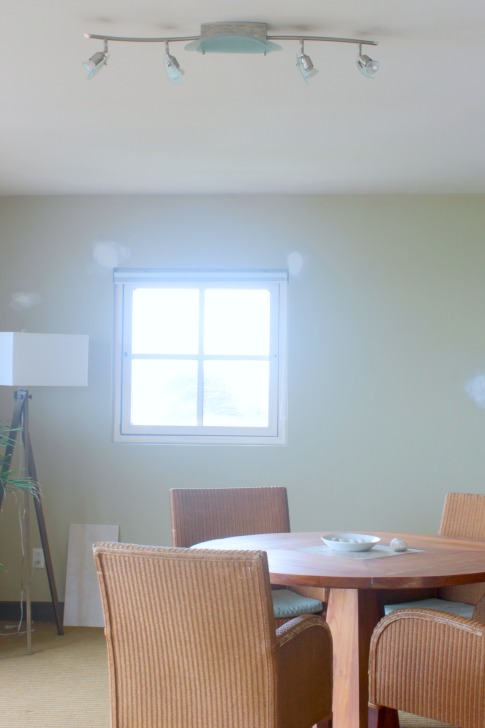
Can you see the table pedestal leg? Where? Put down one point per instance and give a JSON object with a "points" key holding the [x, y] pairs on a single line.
{"points": [[352, 616]]}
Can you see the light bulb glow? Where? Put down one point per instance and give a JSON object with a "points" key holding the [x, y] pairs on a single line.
{"points": [[305, 64], [95, 63], [367, 66], [172, 68]]}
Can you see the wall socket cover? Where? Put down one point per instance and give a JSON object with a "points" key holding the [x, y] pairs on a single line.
{"points": [[38, 561]]}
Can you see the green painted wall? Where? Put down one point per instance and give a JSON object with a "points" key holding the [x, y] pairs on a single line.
{"points": [[386, 334]]}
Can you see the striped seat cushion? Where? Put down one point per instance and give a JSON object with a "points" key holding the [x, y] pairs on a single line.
{"points": [[442, 605], [287, 604]]}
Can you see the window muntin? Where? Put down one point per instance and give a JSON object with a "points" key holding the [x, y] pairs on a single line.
{"points": [[201, 359]]}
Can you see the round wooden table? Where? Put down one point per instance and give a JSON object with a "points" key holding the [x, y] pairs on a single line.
{"points": [[355, 593]]}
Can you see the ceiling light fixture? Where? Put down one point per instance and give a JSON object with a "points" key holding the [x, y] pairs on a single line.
{"points": [[233, 37], [366, 65], [174, 72], [97, 61], [305, 64], [238, 37]]}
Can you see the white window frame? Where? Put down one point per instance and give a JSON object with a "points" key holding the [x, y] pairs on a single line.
{"points": [[126, 280]]}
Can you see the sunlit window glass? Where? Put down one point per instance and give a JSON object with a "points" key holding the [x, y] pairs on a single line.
{"points": [[164, 392], [237, 322], [200, 356], [165, 321]]}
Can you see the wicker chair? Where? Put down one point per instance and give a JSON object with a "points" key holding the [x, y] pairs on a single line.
{"points": [[174, 665], [428, 663], [463, 516], [203, 514]]}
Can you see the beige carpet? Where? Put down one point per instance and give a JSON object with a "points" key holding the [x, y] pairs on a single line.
{"points": [[64, 683]]}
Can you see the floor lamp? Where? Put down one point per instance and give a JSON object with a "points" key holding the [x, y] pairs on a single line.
{"points": [[38, 360]]}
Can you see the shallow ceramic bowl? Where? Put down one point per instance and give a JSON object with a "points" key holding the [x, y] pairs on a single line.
{"points": [[350, 541]]}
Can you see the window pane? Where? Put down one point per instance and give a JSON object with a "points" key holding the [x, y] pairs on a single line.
{"points": [[200, 357], [165, 321], [236, 393], [164, 392], [237, 321]]}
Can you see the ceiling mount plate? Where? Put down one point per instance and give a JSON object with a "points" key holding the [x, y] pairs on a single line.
{"points": [[235, 37]]}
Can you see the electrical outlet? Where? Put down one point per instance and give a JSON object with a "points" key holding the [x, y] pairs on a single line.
{"points": [[38, 561]]}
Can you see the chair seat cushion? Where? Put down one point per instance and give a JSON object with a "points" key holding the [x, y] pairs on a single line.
{"points": [[287, 604], [442, 605]]}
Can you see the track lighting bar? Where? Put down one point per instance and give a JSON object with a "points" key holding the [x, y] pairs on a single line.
{"points": [[232, 37], [186, 38], [127, 39]]}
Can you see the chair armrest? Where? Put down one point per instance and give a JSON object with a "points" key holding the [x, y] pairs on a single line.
{"points": [[429, 663], [304, 669]]}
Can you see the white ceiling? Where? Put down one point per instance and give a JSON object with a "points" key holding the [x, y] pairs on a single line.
{"points": [[243, 124]]}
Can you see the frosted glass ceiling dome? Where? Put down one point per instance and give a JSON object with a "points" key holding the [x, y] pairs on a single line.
{"points": [[234, 37]]}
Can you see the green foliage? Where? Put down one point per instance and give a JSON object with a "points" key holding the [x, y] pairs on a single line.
{"points": [[9, 481]]}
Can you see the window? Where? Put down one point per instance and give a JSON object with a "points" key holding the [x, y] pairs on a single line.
{"points": [[200, 356]]}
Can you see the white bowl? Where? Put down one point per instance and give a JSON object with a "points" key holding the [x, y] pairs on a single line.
{"points": [[350, 541]]}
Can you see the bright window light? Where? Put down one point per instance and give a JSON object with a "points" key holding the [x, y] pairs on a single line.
{"points": [[200, 356]]}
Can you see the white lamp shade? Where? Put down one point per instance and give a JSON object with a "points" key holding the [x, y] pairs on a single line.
{"points": [[43, 360]]}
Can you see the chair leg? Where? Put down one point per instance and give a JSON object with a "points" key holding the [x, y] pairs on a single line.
{"points": [[382, 717]]}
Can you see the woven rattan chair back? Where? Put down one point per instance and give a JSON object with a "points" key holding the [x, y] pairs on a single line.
{"points": [[463, 516], [203, 514], [173, 665]]}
